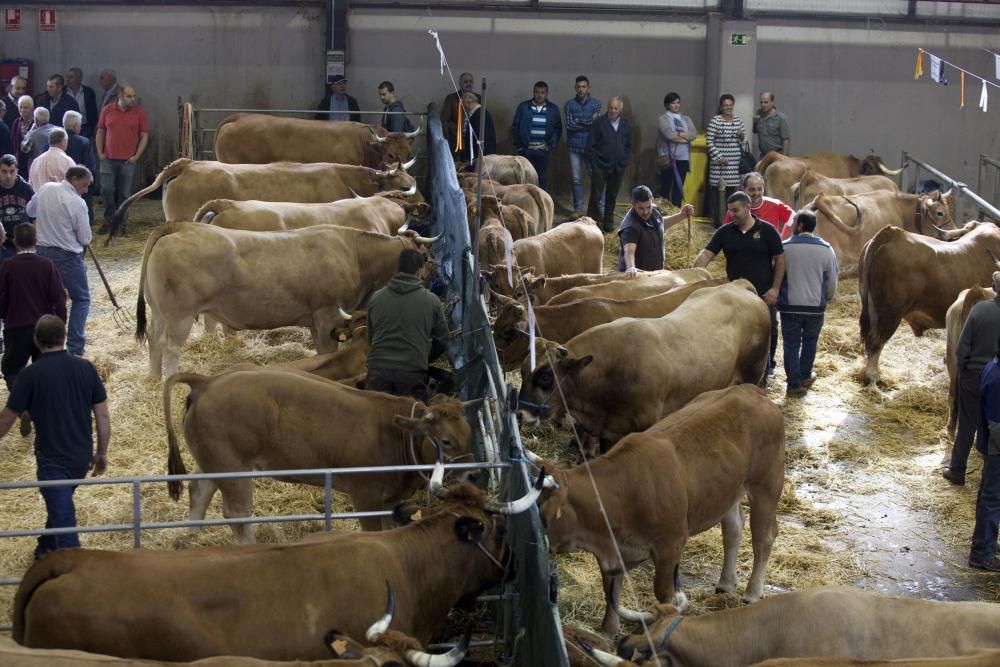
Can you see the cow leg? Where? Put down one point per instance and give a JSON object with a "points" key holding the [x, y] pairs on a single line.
{"points": [[237, 502], [611, 581], [154, 339], [371, 502], [763, 528], [732, 535], [200, 493], [325, 321], [174, 335], [667, 579], [872, 375]]}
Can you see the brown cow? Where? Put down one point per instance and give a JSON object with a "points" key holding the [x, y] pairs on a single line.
{"points": [[680, 477], [954, 320], [983, 658], [514, 218], [188, 184], [781, 171], [509, 169], [610, 394], [813, 183], [249, 138], [494, 239], [848, 223], [912, 277], [630, 288], [562, 322], [542, 288], [536, 201], [839, 621], [270, 601]]}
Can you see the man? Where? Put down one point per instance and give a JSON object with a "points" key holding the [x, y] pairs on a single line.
{"points": [[983, 554], [86, 100], [60, 392], [81, 151], [6, 141], [63, 235], [609, 148], [470, 148], [18, 87], [122, 137], [51, 166], [975, 349], [55, 100], [771, 127], [30, 286], [810, 282], [392, 122], [36, 141], [406, 331], [753, 251], [15, 193], [768, 209], [641, 233], [338, 102], [449, 110], [581, 111], [108, 80], [536, 129]]}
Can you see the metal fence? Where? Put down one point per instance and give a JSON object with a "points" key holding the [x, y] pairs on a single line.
{"points": [[988, 184], [960, 190]]}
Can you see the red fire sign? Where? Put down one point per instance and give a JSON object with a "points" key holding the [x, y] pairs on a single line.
{"points": [[46, 20], [12, 19]]}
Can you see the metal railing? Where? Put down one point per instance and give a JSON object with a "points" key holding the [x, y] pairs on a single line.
{"points": [[988, 184], [961, 190]]}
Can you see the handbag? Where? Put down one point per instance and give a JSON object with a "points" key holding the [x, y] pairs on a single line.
{"points": [[747, 161], [663, 162]]}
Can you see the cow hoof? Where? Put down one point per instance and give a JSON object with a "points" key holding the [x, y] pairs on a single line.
{"points": [[724, 588], [680, 601], [750, 599]]}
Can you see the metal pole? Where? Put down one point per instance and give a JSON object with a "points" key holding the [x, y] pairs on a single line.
{"points": [[136, 515], [479, 179], [328, 501]]}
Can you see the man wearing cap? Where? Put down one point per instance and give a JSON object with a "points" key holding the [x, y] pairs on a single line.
{"points": [[338, 102]]}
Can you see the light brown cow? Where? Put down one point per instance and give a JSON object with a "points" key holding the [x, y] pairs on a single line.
{"points": [[542, 288], [781, 171], [983, 658], [248, 280], [954, 320], [188, 184], [562, 322], [514, 218], [536, 201], [680, 477], [848, 223], [509, 169], [374, 214], [270, 601], [845, 622], [912, 277], [626, 288], [611, 394], [249, 138], [494, 239], [813, 183]]}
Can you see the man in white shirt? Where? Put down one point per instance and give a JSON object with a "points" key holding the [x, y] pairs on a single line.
{"points": [[63, 235], [51, 166]]}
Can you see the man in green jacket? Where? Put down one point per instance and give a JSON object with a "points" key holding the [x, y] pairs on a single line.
{"points": [[406, 331]]}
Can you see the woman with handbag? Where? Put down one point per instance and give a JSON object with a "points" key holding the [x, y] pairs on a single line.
{"points": [[673, 149], [724, 138]]}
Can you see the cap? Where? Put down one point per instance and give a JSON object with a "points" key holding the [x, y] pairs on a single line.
{"points": [[337, 78]]}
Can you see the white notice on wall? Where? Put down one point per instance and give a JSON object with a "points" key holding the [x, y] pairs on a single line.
{"points": [[984, 98], [935, 69]]}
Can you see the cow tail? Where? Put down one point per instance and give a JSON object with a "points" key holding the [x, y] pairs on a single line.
{"points": [[212, 208], [822, 204], [765, 162], [140, 302], [868, 320], [46, 569], [175, 464], [172, 170]]}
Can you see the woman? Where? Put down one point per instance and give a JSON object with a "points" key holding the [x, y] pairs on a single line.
{"points": [[725, 140], [19, 130], [673, 149]]}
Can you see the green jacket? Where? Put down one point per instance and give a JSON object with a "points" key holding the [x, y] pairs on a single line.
{"points": [[406, 326]]}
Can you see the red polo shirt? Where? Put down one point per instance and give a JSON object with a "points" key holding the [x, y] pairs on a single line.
{"points": [[122, 130], [773, 211]]}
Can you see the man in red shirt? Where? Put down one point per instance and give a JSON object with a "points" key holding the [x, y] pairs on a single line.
{"points": [[768, 209], [122, 136]]}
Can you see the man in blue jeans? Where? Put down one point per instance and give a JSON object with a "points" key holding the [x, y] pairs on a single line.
{"points": [[581, 111], [60, 392], [63, 226], [983, 555], [536, 129], [810, 282]]}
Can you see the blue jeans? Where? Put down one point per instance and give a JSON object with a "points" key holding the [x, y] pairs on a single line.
{"points": [[540, 161], [984, 535], [58, 504], [578, 166], [74, 277], [116, 184], [799, 334]]}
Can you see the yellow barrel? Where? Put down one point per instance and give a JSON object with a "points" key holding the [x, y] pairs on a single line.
{"points": [[694, 184]]}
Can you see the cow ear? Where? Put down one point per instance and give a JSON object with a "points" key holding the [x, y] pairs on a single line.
{"points": [[468, 529], [404, 514], [407, 424], [341, 646], [581, 363]]}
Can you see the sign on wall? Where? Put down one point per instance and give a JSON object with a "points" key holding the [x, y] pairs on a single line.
{"points": [[739, 39], [46, 20], [12, 19]]}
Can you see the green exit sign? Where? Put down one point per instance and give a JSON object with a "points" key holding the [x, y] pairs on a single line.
{"points": [[739, 39]]}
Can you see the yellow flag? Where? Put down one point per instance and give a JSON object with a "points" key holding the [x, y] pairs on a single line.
{"points": [[919, 72]]}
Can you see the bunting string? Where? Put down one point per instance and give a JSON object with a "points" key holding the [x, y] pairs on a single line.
{"points": [[938, 74]]}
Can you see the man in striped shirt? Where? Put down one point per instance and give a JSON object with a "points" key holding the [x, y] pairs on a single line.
{"points": [[536, 129]]}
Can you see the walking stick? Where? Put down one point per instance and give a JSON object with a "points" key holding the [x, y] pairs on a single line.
{"points": [[121, 316], [688, 256]]}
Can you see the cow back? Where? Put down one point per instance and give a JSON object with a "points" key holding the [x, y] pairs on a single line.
{"points": [[658, 283], [572, 247]]}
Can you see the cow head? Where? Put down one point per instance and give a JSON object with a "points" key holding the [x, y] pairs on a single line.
{"points": [[496, 278], [542, 388], [663, 619], [872, 165], [391, 146], [395, 179], [443, 422], [406, 200], [935, 209], [510, 332]]}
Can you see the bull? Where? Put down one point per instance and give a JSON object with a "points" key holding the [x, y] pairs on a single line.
{"points": [[610, 394], [680, 477], [248, 138], [246, 280], [954, 320], [814, 183], [905, 276], [781, 171]]}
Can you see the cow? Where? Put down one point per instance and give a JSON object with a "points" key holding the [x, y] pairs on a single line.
{"points": [[539, 289], [829, 621], [912, 277], [813, 183], [630, 288], [954, 320], [848, 222], [781, 171], [249, 138], [509, 169], [983, 658], [680, 477], [514, 218], [534, 200], [374, 214], [247, 280], [188, 184], [494, 239], [270, 601], [562, 322], [610, 394]]}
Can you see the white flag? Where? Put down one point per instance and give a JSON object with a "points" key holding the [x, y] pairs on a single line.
{"points": [[507, 258], [531, 334], [433, 33], [983, 97], [935, 69], [996, 57]]}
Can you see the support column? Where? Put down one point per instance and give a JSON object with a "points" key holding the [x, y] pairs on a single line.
{"points": [[731, 66], [336, 37]]}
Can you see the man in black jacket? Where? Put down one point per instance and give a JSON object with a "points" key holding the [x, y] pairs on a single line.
{"points": [[609, 148], [339, 102], [56, 99], [86, 99]]}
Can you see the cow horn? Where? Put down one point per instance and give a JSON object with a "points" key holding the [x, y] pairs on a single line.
{"points": [[436, 484], [379, 139], [406, 165], [600, 657], [472, 402], [356, 195], [379, 627], [344, 314], [890, 172], [405, 227], [393, 171], [411, 191], [415, 133], [427, 240], [630, 614], [522, 503], [531, 456], [449, 659]]}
